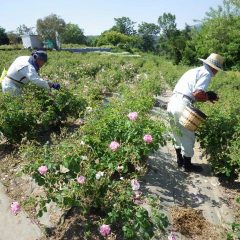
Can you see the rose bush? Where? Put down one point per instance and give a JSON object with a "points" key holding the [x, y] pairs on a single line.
{"points": [[93, 168]]}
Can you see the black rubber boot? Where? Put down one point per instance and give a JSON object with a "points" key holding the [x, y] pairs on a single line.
{"points": [[189, 167], [179, 157]]}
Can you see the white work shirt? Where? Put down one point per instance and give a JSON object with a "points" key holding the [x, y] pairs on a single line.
{"points": [[22, 68], [194, 79]]}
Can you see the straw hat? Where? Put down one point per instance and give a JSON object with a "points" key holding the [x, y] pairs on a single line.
{"points": [[214, 60]]}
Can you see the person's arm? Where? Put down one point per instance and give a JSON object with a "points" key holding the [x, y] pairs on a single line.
{"points": [[202, 96], [34, 77]]}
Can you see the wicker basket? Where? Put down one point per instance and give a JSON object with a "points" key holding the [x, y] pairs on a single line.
{"points": [[191, 118]]}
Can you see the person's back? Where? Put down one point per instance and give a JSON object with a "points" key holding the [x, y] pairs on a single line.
{"points": [[14, 70], [20, 61], [187, 84]]}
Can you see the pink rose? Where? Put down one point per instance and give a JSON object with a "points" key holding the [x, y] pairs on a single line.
{"points": [[148, 138], [43, 170], [138, 201], [133, 116], [135, 184], [114, 145], [172, 236], [137, 194], [105, 230], [15, 207], [81, 179]]}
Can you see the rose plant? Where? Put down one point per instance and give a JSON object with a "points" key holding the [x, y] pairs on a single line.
{"points": [[96, 177]]}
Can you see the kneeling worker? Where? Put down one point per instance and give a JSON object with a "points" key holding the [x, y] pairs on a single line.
{"points": [[190, 88], [24, 70]]}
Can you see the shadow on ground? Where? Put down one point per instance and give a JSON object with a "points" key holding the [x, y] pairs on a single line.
{"points": [[170, 183]]}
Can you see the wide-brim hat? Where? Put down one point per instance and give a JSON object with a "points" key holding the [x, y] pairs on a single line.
{"points": [[215, 61]]}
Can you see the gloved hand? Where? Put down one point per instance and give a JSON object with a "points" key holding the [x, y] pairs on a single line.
{"points": [[55, 86], [212, 96]]}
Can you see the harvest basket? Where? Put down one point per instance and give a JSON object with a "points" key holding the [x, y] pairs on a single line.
{"points": [[191, 118]]}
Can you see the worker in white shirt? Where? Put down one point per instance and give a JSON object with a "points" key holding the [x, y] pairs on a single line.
{"points": [[24, 70], [190, 88]]}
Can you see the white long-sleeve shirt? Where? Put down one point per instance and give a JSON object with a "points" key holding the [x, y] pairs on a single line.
{"points": [[194, 79], [21, 70], [20, 73]]}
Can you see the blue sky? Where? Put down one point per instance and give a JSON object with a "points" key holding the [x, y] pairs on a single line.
{"points": [[96, 16]]}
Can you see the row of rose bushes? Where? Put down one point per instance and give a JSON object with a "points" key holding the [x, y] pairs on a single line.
{"points": [[35, 111], [84, 80], [98, 167], [89, 74], [219, 135]]}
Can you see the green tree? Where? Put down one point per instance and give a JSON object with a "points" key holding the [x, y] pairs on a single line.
{"points": [[124, 25], [228, 9], [219, 33], [3, 37], [148, 33], [73, 34], [172, 41], [14, 38], [167, 24], [117, 39], [112, 38], [188, 52], [24, 30], [48, 26], [91, 40], [235, 3]]}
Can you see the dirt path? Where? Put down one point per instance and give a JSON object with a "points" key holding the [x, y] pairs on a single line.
{"points": [[197, 205], [18, 226]]}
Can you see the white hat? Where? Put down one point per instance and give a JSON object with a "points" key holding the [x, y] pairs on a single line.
{"points": [[214, 60]]}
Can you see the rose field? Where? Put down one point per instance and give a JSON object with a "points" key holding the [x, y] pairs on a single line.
{"points": [[87, 145]]}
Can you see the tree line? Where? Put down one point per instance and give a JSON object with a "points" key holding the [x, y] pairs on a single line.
{"points": [[217, 32]]}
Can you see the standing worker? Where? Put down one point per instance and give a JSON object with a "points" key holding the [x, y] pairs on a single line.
{"points": [[24, 70], [191, 88]]}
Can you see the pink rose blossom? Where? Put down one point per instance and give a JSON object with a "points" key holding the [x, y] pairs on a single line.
{"points": [[137, 198], [81, 179], [139, 201], [43, 170], [15, 207], [172, 236], [148, 138], [137, 194], [105, 230], [114, 145], [133, 116], [135, 184]]}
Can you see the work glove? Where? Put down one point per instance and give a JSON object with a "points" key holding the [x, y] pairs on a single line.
{"points": [[212, 96], [56, 86]]}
